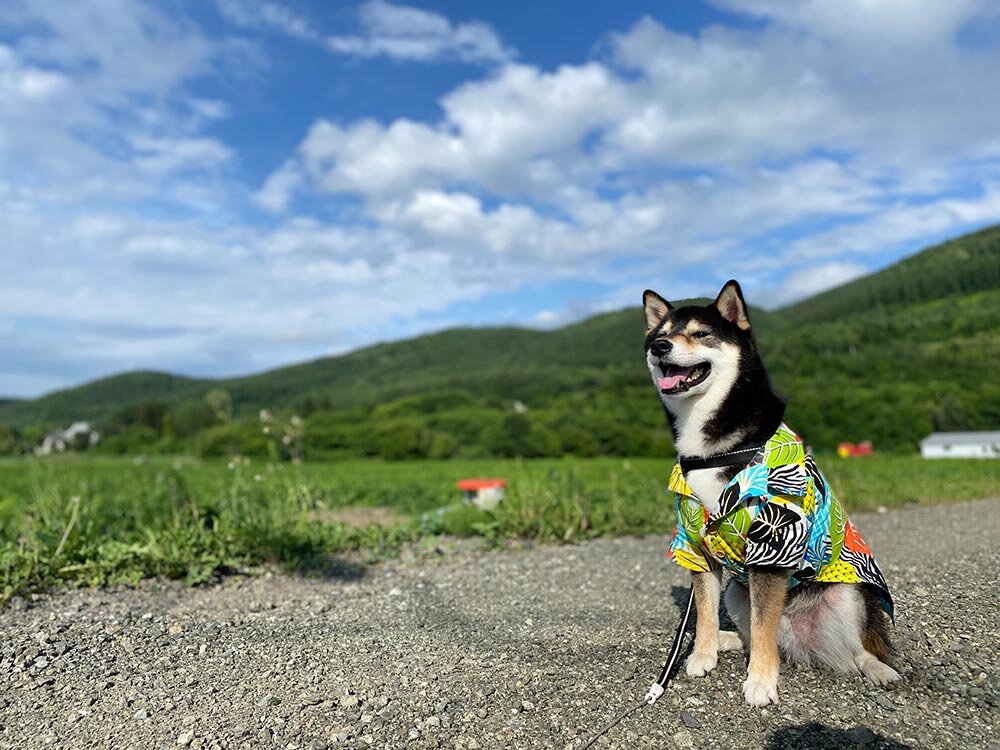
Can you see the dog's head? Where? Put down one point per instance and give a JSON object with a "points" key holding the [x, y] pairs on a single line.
{"points": [[693, 351]]}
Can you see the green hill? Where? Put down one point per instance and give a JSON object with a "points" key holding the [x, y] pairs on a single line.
{"points": [[99, 399], [888, 357]]}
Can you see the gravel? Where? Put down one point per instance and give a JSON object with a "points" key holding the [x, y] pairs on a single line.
{"points": [[534, 647]]}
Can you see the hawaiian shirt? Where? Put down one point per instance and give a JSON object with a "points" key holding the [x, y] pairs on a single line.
{"points": [[779, 511]]}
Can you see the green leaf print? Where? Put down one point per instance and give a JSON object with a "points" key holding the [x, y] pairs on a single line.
{"points": [[733, 529], [783, 449], [837, 523], [693, 518]]}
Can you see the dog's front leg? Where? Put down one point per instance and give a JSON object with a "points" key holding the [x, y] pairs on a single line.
{"points": [[707, 590], [768, 587]]}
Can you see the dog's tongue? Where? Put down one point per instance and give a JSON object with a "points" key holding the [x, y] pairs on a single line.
{"points": [[675, 376]]}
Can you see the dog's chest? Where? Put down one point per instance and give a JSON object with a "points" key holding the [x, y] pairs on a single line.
{"points": [[707, 485]]}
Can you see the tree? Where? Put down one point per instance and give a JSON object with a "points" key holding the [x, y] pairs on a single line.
{"points": [[221, 404]]}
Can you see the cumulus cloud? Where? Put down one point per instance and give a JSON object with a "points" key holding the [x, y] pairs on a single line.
{"points": [[789, 152]]}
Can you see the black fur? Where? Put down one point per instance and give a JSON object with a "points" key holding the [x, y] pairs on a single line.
{"points": [[752, 408]]}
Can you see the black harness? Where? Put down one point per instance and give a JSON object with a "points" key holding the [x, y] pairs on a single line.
{"points": [[729, 458]]}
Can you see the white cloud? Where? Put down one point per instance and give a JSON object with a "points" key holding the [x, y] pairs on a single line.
{"points": [[399, 32], [403, 32], [805, 282], [671, 160], [255, 14], [161, 156], [900, 224]]}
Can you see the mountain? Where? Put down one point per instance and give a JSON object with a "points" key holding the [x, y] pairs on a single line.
{"points": [[890, 356], [98, 399]]}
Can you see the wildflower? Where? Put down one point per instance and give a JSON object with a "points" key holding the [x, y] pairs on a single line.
{"points": [[265, 415]]}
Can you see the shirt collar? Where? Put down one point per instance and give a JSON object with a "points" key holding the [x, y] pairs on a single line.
{"points": [[777, 469]]}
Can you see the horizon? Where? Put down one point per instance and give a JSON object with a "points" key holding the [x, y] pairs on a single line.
{"points": [[237, 186], [540, 328]]}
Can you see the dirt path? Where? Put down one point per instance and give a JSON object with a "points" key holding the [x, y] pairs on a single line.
{"points": [[533, 648]]}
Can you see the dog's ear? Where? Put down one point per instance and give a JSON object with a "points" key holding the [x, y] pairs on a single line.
{"points": [[731, 305], [656, 309]]}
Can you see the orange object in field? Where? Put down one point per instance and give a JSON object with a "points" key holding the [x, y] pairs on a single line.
{"points": [[853, 450]]}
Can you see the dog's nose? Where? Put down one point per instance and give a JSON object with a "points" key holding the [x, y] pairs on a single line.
{"points": [[660, 348]]}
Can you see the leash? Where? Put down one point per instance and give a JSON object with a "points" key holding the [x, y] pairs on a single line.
{"points": [[657, 688]]}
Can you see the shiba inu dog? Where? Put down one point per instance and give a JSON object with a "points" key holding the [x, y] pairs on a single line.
{"points": [[752, 501]]}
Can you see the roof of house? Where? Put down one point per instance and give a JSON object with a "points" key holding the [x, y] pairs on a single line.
{"points": [[962, 438]]}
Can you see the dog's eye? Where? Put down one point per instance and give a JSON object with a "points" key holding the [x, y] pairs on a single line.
{"points": [[700, 335]]}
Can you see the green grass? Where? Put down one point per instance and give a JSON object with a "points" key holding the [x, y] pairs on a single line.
{"points": [[85, 521]]}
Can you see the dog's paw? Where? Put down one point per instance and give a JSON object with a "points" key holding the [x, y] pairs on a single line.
{"points": [[699, 665], [879, 672], [730, 640], [760, 692]]}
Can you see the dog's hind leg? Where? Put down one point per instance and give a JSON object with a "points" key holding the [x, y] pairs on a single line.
{"points": [[738, 608], [837, 626], [876, 646], [707, 590]]}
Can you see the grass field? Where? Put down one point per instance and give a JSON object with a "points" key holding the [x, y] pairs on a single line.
{"points": [[87, 521]]}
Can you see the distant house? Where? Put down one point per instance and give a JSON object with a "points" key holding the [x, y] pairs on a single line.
{"points": [[961, 445], [59, 441]]}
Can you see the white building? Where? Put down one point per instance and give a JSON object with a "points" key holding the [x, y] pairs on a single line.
{"points": [[59, 441], [961, 445]]}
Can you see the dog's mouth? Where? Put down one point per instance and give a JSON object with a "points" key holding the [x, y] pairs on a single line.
{"points": [[677, 379]]}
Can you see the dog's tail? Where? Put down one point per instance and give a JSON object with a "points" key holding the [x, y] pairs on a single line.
{"points": [[875, 633]]}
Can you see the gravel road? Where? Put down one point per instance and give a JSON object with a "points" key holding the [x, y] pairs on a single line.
{"points": [[535, 647]]}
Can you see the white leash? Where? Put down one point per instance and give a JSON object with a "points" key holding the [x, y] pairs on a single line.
{"points": [[657, 688]]}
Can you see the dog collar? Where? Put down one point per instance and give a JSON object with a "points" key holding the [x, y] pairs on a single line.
{"points": [[742, 456]]}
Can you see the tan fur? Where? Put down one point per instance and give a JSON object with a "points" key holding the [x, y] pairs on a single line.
{"points": [[694, 327], [708, 639], [768, 587], [707, 592], [729, 304]]}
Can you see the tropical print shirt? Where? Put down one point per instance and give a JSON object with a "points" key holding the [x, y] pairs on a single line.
{"points": [[780, 511]]}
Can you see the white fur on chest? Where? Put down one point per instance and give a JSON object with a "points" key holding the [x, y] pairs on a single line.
{"points": [[707, 485]]}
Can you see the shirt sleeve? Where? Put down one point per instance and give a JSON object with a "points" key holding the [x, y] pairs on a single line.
{"points": [[683, 549]]}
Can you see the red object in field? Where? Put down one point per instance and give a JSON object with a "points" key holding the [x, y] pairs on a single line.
{"points": [[471, 485], [852, 450]]}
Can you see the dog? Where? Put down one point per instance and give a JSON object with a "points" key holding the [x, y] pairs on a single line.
{"points": [[751, 500]]}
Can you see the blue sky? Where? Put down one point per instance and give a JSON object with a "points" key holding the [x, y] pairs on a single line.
{"points": [[216, 187]]}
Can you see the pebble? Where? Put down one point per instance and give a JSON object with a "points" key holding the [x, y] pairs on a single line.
{"points": [[689, 721], [268, 700], [885, 701], [185, 738], [684, 739], [451, 673]]}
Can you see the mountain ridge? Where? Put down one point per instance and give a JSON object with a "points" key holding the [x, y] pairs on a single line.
{"points": [[892, 332]]}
